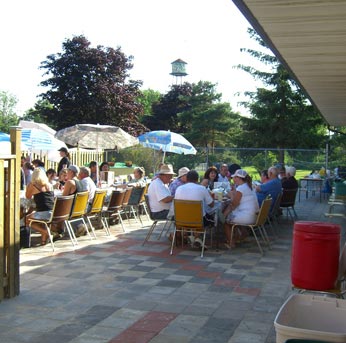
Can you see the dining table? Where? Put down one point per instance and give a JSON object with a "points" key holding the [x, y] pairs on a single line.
{"points": [[220, 203]]}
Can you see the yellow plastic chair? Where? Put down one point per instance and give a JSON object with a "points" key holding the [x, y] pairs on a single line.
{"points": [[188, 217], [96, 208], [79, 209]]}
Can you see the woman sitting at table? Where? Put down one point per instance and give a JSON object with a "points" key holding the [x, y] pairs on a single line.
{"points": [[210, 176], [138, 181], [104, 166], [242, 209], [62, 179], [42, 191]]}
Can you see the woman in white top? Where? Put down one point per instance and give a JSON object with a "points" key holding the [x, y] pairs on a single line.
{"points": [[243, 208]]}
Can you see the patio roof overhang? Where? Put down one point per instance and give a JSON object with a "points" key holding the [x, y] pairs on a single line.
{"points": [[309, 38]]}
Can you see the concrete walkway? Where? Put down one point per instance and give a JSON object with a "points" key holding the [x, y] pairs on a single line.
{"points": [[116, 290]]}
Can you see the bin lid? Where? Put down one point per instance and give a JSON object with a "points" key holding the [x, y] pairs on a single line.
{"points": [[317, 227]]}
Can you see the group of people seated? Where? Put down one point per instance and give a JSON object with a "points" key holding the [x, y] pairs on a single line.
{"points": [[71, 180], [244, 197]]}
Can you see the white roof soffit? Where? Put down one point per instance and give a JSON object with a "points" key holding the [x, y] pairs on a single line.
{"points": [[309, 38]]}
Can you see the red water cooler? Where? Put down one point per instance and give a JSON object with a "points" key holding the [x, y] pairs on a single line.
{"points": [[315, 255]]}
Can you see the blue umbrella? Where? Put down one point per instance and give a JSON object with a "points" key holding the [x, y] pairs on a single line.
{"points": [[167, 141], [5, 143], [34, 141]]}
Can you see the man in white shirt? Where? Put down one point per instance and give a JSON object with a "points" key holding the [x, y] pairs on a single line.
{"points": [[192, 190], [223, 175], [88, 183], [160, 197]]}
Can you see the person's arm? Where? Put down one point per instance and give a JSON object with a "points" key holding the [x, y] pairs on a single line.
{"points": [[30, 191], [204, 182], [234, 204], [69, 188], [167, 199], [236, 200]]}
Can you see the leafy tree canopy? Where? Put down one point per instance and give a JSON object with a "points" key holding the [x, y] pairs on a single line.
{"points": [[8, 116], [40, 112], [281, 116], [89, 85], [206, 120], [164, 115], [147, 98]]}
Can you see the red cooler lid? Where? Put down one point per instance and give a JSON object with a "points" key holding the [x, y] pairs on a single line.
{"points": [[320, 227]]}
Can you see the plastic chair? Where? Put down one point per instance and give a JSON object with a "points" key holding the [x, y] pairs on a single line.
{"points": [[96, 208], [142, 202], [155, 221], [274, 214], [113, 210], [288, 201], [261, 219], [60, 213], [188, 217], [134, 203], [79, 208], [337, 199]]}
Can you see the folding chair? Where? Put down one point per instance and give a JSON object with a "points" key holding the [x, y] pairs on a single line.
{"points": [[60, 213], [79, 209], [288, 201], [134, 203], [113, 210], [155, 221], [123, 209], [142, 202], [274, 214], [188, 217], [96, 208], [258, 225]]}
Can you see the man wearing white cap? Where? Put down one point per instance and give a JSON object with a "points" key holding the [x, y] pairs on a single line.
{"points": [[72, 185], [180, 180], [160, 197]]}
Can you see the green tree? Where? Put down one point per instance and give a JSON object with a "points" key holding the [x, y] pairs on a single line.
{"points": [[165, 111], [40, 113], [8, 116], [147, 98], [281, 116], [90, 85], [207, 121]]}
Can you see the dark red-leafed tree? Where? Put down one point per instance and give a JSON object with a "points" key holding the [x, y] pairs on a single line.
{"points": [[91, 85]]}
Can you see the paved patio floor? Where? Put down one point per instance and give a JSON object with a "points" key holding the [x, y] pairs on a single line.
{"points": [[116, 290]]}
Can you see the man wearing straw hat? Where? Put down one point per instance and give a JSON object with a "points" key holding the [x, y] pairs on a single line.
{"points": [[160, 197]]}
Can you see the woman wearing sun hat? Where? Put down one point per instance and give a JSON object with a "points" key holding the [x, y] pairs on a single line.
{"points": [[243, 207]]}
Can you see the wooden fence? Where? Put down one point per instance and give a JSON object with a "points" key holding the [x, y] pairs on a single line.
{"points": [[79, 157], [10, 217]]}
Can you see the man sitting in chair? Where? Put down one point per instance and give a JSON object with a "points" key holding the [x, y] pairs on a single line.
{"points": [[160, 197], [192, 190]]}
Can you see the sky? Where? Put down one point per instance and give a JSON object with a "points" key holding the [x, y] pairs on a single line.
{"points": [[206, 34]]}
